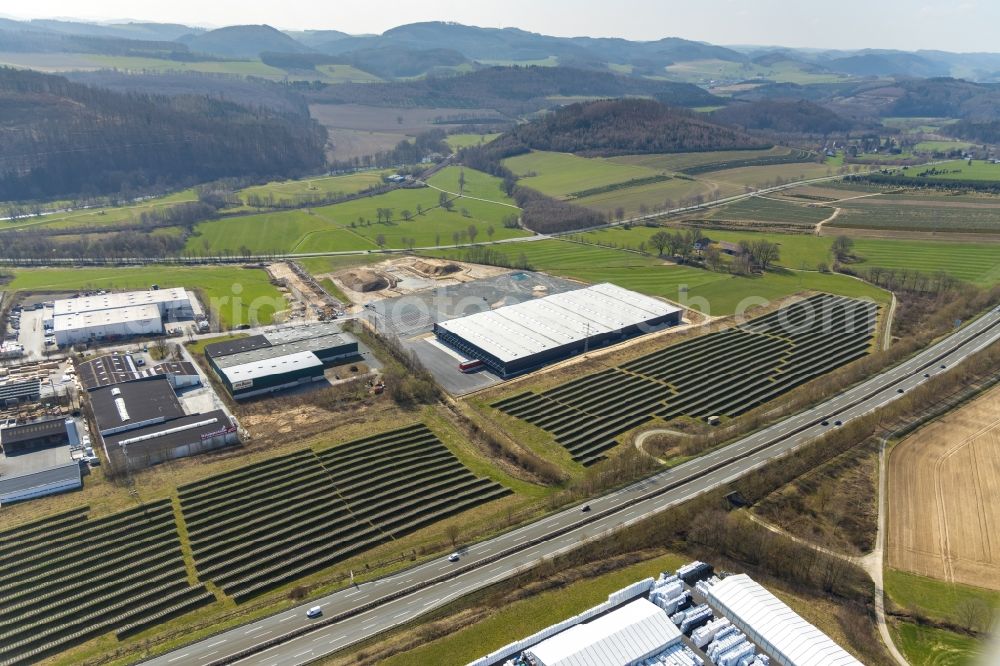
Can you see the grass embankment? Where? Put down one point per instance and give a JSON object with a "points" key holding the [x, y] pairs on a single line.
{"points": [[235, 295], [940, 602]]}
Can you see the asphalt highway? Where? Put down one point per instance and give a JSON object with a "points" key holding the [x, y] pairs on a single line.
{"points": [[419, 589]]}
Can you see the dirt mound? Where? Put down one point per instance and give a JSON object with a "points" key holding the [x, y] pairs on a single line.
{"points": [[436, 269], [363, 280]]}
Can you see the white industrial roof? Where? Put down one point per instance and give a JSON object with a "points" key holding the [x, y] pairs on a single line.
{"points": [[516, 331], [138, 313], [117, 300], [783, 633], [633, 632], [272, 366]]}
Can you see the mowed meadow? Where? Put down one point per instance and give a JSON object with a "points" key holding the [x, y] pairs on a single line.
{"points": [[358, 225]]}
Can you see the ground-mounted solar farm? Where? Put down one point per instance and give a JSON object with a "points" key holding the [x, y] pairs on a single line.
{"points": [[260, 526], [68, 579], [721, 374]]}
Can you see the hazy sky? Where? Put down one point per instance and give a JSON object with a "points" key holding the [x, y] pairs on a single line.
{"points": [[954, 25]]}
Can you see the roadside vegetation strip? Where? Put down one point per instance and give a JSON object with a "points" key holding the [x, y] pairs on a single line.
{"points": [[721, 374], [257, 527], [84, 579]]}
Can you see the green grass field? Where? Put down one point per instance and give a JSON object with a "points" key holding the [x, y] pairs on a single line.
{"points": [[758, 209], [235, 67], [527, 616], [784, 71], [798, 251], [941, 146], [236, 295], [459, 141], [934, 599], [710, 292], [329, 228], [959, 170], [101, 217], [562, 174], [976, 263], [330, 185], [929, 646]]}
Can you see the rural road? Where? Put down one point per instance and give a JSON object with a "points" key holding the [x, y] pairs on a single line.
{"points": [[366, 611]]}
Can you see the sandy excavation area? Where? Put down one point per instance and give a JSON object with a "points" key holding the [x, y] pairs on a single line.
{"points": [[944, 497]]}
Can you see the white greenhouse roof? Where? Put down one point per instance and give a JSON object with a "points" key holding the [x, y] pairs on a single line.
{"points": [[780, 630], [272, 366], [127, 315], [518, 331], [117, 300], [633, 632]]}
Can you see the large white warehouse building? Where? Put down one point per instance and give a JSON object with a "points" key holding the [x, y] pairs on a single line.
{"points": [[518, 338], [117, 315]]}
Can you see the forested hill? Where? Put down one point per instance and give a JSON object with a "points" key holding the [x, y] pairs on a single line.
{"points": [[786, 116], [621, 127], [63, 139], [513, 88]]}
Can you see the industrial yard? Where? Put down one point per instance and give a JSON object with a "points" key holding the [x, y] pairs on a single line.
{"points": [[687, 618], [943, 484]]}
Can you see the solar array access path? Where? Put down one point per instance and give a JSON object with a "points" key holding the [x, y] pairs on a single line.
{"points": [[725, 373], [260, 526]]}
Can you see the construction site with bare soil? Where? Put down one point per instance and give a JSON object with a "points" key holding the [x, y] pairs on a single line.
{"points": [[942, 489]]}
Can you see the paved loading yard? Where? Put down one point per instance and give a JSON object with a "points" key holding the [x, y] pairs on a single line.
{"points": [[411, 319]]}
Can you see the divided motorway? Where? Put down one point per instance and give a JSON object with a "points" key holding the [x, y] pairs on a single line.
{"points": [[432, 584]]}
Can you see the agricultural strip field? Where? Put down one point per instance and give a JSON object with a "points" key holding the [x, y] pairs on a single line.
{"points": [[722, 374], [563, 174], [354, 225], [68, 579], [235, 295], [768, 211], [709, 160], [958, 215], [943, 484], [257, 527], [759, 177]]}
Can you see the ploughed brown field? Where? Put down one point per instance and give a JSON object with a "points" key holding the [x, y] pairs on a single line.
{"points": [[944, 497]]}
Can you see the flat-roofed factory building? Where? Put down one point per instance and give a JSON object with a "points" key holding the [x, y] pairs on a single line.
{"points": [[279, 360], [518, 338], [118, 315]]}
